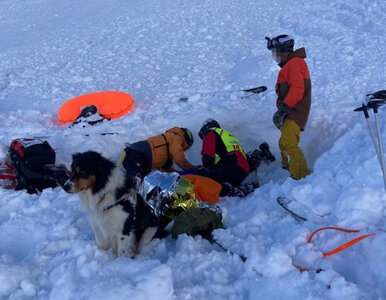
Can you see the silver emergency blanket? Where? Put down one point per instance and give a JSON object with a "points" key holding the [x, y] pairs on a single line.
{"points": [[165, 192], [165, 182]]}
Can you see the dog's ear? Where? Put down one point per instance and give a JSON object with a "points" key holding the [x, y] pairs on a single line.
{"points": [[104, 164], [95, 156]]}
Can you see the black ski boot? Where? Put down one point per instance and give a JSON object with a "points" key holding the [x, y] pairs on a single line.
{"points": [[241, 191], [230, 191], [248, 188], [257, 156]]}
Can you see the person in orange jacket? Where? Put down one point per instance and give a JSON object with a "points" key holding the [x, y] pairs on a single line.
{"points": [[157, 152], [293, 89]]}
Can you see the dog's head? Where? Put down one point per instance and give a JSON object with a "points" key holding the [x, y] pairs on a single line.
{"points": [[89, 171]]}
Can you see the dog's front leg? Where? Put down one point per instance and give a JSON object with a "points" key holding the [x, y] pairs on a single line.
{"points": [[146, 237], [101, 239], [127, 245], [102, 242]]}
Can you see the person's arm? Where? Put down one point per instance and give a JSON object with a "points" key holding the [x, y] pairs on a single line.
{"points": [[295, 79], [208, 151], [178, 155]]}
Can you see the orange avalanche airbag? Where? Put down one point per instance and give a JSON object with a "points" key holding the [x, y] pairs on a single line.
{"points": [[110, 104]]}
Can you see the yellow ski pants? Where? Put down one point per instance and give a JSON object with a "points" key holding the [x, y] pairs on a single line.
{"points": [[291, 155]]}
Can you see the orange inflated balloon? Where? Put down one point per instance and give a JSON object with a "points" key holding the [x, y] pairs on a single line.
{"points": [[110, 104]]}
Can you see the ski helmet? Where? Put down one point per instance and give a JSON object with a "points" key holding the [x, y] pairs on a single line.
{"points": [[188, 136], [281, 42], [208, 124]]}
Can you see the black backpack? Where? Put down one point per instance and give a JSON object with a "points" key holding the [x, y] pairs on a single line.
{"points": [[31, 158]]}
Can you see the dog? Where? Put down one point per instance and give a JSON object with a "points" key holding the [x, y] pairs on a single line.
{"points": [[119, 216]]}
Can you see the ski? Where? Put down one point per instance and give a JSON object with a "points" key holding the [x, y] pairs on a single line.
{"points": [[255, 90], [299, 211], [252, 91], [86, 134]]}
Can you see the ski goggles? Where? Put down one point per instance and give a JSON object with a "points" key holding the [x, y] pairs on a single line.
{"points": [[269, 43], [281, 42]]}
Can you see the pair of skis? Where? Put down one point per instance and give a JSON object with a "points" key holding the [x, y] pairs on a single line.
{"points": [[249, 92]]}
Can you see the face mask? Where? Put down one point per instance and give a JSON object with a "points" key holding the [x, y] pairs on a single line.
{"points": [[276, 56]]}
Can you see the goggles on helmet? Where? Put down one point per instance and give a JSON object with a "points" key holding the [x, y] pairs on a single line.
{"points": [[283, 42]]}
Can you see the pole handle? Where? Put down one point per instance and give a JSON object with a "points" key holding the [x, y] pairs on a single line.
{"points": [[363, 108]]}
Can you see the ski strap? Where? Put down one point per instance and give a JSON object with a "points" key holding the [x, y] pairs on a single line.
{"points": [[345, 245]]}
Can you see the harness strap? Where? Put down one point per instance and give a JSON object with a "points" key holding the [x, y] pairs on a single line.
{"points": [[115, 204], [122, 199], [169, 161], [336, 250], [329, 227], [345, 245]]}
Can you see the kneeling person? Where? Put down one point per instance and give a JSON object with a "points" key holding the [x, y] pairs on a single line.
{"points": [[157, 152], [223, 157]]}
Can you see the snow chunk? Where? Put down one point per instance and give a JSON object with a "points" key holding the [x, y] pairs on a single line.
{"points": [[195, 98], [275, 264], [28, 288], [341, 289], [10, 278], [360, 207]]}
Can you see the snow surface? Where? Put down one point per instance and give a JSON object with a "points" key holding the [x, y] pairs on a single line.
{"points": [[159, 51]]}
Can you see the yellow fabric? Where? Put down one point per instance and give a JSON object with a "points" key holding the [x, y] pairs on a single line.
{"points": [[182, 199], [230, 141], [291, 155], [121, 158], [184, 196]]}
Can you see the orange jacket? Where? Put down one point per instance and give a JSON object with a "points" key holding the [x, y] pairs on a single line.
{"points": [[167, 148], [293, 87]]}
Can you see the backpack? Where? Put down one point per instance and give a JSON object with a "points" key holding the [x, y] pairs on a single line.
{"points": [[196, 221], [7, 175], [30, 158]]}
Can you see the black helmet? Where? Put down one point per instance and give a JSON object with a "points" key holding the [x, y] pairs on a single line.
{"points": [[281, 42], [188, 136], [208, 124]]}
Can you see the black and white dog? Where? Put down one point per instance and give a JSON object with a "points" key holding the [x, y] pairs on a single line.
{"points": [[119, 216]]}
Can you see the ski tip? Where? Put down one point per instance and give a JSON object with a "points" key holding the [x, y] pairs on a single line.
{"points": [[285, 203], [283, 200], [256, 90]]}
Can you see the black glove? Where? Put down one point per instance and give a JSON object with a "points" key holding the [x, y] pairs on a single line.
{"points": [[278, 116]]}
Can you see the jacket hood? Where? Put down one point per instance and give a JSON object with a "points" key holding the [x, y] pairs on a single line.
{"points": [[301, 52], [178, 131]]}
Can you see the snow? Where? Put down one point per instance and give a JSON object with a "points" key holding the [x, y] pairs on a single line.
{"points": [[160, 51]]}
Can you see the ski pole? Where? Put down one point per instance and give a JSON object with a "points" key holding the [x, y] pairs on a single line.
{"points": [[364, 108], [374, 105]]}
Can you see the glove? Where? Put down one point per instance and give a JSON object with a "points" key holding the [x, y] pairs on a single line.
{"points": [[278, 116]]}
